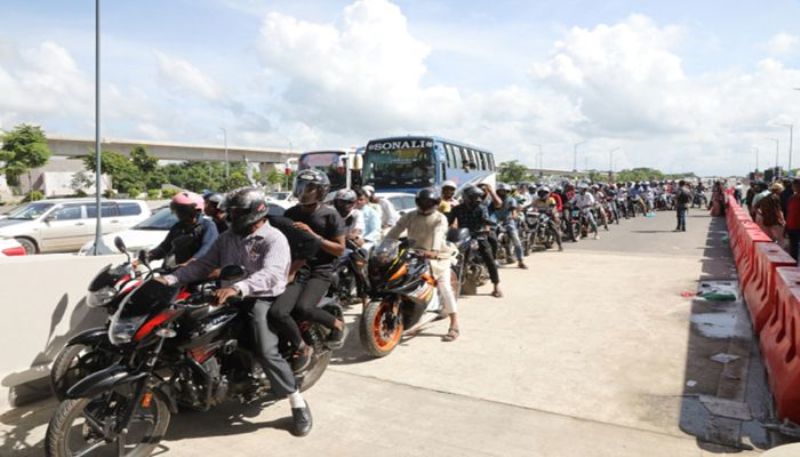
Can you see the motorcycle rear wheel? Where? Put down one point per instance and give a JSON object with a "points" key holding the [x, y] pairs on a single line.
{"points": [[380, 329], [63, 433]]}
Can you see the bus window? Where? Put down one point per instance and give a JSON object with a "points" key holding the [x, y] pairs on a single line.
{"points": [[491, 162], [481, 160], [448, 153], [473, 159]]}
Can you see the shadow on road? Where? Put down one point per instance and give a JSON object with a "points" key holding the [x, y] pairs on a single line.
{"points": [[724, 403]]}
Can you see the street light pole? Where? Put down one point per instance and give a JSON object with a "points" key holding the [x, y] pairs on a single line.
{"points": [[756, 157], [777, 152], [791, 140], [225, 139], [99, 246], [575, 155], [541, 172]]}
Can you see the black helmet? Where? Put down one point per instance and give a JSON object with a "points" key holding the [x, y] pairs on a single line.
{"points": [[311, 186], [244, 208], [344, 201], [473, 194], [428, 199], [214, 197]]}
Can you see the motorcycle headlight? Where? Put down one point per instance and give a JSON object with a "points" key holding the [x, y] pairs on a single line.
{"points": [[101, 297], [121, 331]]}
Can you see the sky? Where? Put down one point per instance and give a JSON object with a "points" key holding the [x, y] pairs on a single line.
{"points": [[680, 86]]}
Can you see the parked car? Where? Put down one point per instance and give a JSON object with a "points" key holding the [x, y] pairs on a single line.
{"points": [[10, 247], [66, 224], [152, 231]]}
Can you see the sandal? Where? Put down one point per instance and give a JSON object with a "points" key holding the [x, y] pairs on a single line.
{"points": [[452, 335]]}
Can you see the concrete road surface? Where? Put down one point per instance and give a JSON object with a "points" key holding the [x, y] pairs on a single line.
{"points": [[585, 356]]}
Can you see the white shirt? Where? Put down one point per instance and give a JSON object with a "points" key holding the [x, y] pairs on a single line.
{"points": [[389, 214], [583, 200]]}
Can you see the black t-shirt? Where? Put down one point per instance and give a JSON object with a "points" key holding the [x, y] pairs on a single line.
{"points": [[302, 244], [327, 223]]}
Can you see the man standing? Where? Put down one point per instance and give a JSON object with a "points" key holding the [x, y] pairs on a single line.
{"points": [[793, 219], [389, 215], [682, 200]]}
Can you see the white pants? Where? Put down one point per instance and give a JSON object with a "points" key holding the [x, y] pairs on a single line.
{"points": [[441, 272]]}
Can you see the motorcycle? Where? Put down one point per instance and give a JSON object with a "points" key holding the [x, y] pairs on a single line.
{"points": [[699, 199], [543, 231], [177, 352], [348, 280], [573, 223], [505, 247], [91, 350], [402, 290], [468, 267]]}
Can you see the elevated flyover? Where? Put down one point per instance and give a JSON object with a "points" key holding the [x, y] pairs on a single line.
{"points": [[78, 147]]}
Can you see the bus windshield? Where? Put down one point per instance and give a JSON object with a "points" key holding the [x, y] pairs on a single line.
{"points": [[328, 162], [399, 167]]}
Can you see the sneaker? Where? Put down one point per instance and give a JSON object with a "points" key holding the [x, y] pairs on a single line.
{"points": [[336, 338]]}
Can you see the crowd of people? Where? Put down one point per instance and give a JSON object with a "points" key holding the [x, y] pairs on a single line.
{"points": [[775, 208], [289, 259]]}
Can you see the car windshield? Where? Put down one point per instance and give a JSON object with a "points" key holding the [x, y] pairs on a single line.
{"points": [[399, 167], [30, 211], [162, 219]]}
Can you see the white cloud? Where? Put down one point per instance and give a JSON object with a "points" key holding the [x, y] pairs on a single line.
{"points": [[782, 43], [182, 76]]}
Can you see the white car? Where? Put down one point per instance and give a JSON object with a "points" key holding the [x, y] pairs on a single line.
{"points": [[10, 247], [66, 224], [147, 234], [403, 202]]}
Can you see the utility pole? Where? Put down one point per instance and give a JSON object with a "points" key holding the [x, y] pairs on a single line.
{"points": [[791, 140], [225, 139], [100, 247], [777, 152], [756, 158], [575, 155], [540, 160]]}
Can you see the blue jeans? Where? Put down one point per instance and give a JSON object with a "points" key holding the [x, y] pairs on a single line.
{"points": [[681, 219], [513, 233]]}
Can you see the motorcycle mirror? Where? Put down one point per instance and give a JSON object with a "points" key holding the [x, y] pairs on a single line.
{"points": [[232, 273], [120, 245]]}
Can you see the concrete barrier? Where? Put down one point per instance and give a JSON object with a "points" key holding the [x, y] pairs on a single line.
{"points": [[43, 306]]}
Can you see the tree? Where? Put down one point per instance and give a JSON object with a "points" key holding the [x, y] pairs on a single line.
{"points": [[128, 179], [513, 172], [143, 161], [24, 149], [80, 181]]}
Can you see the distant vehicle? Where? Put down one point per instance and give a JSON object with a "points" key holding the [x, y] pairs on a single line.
{"points": [[408, 164], [403, 202], [10, 247], [66, 224], [332, 163], [150, 232], [279, 196]]}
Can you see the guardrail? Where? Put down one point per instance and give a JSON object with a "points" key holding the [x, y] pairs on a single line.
{"points": [[770, 283]]}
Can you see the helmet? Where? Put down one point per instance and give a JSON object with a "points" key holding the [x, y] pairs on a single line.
{"points": [[186, 205], [583, 187], [449, 184], [214, 198], [543, 192], [503, 187], [311, 186], [245, 207], [344, 201], [473, 194], [428, 199], [369, 190]]}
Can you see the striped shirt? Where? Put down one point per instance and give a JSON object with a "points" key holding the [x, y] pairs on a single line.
{"points": [[265, 255]]}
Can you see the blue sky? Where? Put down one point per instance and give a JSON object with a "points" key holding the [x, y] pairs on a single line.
{"points": [[678, 85]]}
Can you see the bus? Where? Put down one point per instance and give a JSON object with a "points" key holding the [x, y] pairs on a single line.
{"points": [[410, 163], [334, 163]]}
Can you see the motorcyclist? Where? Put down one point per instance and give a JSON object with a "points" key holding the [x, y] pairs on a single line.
{"points": [[545, 201], [473, 215], [506, 215], [345, 203], [389, 214], [312, 281], [188, 208], [264, 252], [427, 231], [372, 220], [585, 201], [213, 209], [449, 200]]}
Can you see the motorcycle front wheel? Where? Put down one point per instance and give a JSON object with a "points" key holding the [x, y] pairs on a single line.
{"points": [[380, 328], [74, 363], [82, 427]]}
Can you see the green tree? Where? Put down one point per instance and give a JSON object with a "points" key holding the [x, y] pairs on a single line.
{"points": [[513, 172], [143, 161], [24, 149], [127, 177]]}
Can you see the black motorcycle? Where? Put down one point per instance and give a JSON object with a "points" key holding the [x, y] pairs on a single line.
{"points": [[348, 281], [468, 267], [176, 352], [543, 229]]}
